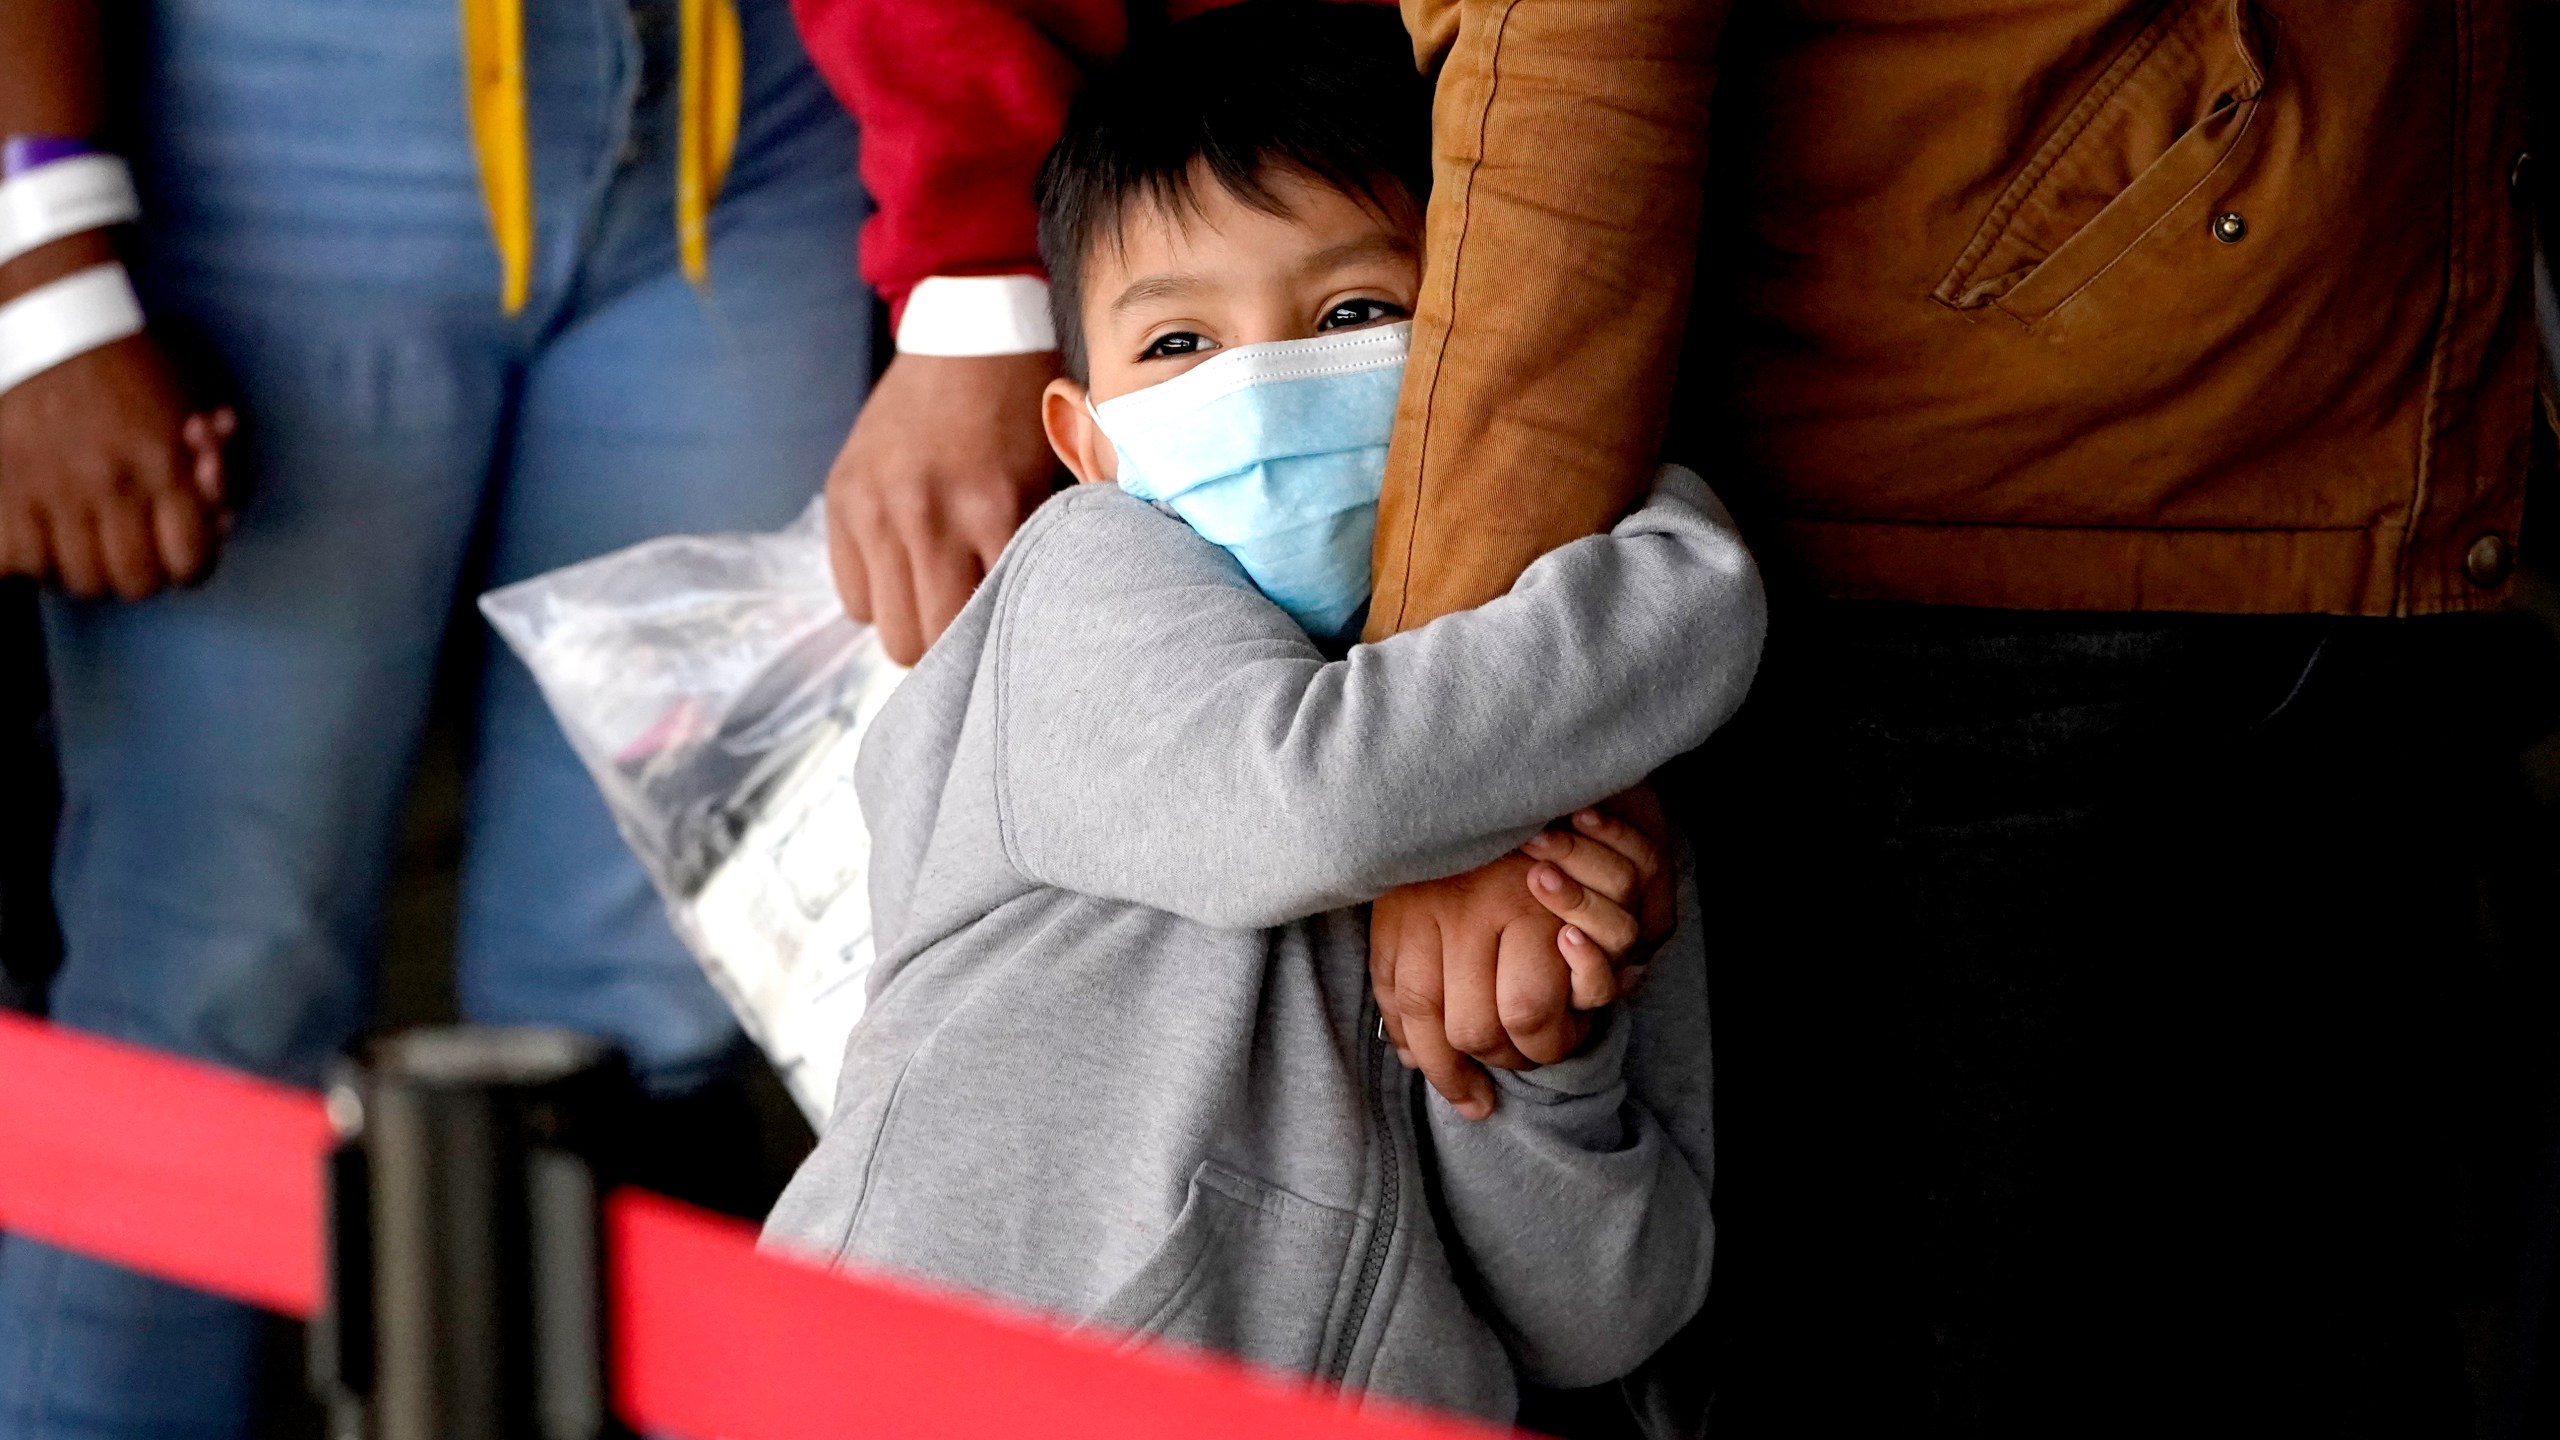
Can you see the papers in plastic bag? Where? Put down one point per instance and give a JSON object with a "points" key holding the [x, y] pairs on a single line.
{"points": [[718, 695]]}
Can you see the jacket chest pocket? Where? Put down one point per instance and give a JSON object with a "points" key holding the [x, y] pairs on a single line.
{"points": [[2164, 115], [1247, 1269]]}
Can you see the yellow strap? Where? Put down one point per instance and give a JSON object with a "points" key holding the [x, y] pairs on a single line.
{"points": [[712, 72], [493, 93], [712, 77]]}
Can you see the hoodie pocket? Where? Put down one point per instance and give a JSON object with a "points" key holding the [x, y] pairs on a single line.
{"points": [[2164, 115], [1247, 1269]]}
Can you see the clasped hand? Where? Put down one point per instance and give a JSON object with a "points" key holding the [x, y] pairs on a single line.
{"points": [[1502, 966], [109, 479]]}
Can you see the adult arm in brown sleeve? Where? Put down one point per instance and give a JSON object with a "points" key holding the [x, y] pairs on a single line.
{"points": [[1569, 146], [1569, 149]]}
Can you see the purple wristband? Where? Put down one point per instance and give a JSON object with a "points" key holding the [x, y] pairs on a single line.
{"points": [[22, 153]]}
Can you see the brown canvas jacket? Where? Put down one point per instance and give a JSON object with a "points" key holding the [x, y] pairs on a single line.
{"points": [[2208, 305]]}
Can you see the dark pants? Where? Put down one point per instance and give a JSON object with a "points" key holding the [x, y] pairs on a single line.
{"points": [[2096, 1001]]}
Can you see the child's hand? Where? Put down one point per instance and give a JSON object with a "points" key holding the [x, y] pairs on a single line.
{"points": [[1598, 874]]}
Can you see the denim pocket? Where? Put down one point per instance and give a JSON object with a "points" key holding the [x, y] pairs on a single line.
{"points": [[1247, 1269], [2165, 114]]}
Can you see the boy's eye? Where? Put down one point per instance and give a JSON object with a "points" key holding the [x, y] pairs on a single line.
{"points": [[1360, 312], [1180, 342]]}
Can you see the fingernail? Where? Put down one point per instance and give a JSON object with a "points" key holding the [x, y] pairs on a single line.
{"points": [[1574, 937], [1586, 818], [1475, 1108], [1547, 880]]}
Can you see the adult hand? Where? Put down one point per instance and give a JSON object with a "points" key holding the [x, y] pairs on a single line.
{"points": [[1440, 954], [107, 480], [1477, 969], [946, 460]]}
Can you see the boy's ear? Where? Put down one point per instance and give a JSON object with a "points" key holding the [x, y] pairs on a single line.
{"points": [[1080, 443]]}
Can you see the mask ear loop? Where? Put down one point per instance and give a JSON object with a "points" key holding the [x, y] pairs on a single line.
{"points": [[1099, 430]]}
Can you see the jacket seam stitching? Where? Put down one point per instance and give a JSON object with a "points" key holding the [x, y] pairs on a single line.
{"points": [[2440, 361], [2247, 123], [999, 639], [843, 1247], [1440, 350], [2040, 167], [1367, 1263], [1205, 1249]]}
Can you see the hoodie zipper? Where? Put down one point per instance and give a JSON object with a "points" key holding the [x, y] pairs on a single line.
{"points": [[1382, 1233]]}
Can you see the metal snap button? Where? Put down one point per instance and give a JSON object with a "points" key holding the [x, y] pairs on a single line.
{"points": [[2228, 227], [2520, 175], [2488, 560]]}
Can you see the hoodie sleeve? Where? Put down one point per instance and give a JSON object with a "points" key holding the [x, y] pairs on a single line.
{"points": [[1581, 1203], [1166, 736]]}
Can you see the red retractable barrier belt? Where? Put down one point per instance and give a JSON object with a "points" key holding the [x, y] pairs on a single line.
{"points": [[714, 1338], [197, 1174], [214, 1180]]}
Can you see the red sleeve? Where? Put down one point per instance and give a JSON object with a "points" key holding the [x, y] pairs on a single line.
{"points": [[958, 101]]}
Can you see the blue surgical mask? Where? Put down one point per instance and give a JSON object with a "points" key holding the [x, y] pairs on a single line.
{"points": [[1274, 453]]}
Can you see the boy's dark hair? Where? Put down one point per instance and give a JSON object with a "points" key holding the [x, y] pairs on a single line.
{"points": [[1322, 88]]}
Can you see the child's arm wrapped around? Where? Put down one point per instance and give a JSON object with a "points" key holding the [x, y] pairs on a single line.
{"points": [[1168, 737]]}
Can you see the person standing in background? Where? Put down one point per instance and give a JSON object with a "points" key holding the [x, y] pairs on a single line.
{"points": [[2135, 469], [2131, 404], [491, 290]]}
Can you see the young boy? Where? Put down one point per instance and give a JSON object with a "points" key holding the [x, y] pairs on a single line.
{"points": [[1120, 1062]]}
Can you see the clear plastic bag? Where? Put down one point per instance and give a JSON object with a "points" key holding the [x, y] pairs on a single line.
{"points": [[718, 695]]}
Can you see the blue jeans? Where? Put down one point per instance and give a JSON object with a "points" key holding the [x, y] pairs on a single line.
{"points": [[235, 757]]}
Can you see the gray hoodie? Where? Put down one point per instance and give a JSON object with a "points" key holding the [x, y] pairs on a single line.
{"points": [[1120, 1063]]}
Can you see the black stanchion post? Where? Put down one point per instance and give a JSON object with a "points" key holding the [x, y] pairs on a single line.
{"points": [[466, 1295]]}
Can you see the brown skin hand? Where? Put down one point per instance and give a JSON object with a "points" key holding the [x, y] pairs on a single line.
{"points": [[946, 460], [1478, 969], [1437, 961], [109, 480]]}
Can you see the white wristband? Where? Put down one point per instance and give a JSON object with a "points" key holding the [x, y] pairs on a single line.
{"points": [[84, 192], [977, 315], [72, 316]]}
